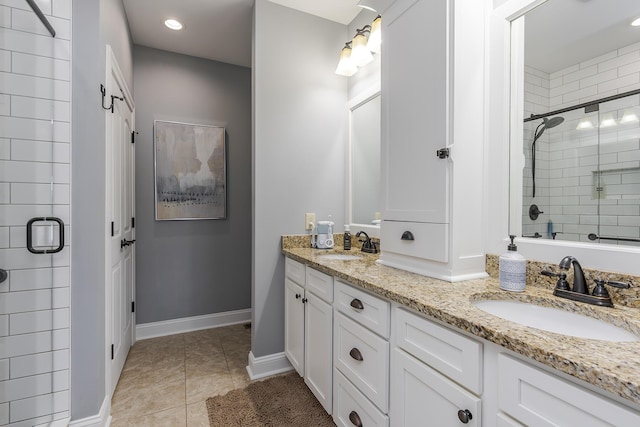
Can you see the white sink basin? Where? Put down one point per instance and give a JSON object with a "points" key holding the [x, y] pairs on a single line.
{"points": [[556, 320], [341, 257]]}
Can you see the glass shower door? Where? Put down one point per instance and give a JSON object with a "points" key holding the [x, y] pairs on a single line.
{"points": [[34, 215]]}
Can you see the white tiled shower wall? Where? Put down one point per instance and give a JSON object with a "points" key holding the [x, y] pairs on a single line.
{"points": [[567, 158], [34, 181]]}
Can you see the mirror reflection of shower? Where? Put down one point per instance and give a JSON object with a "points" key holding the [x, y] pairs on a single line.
{"points": [[546, 124]]}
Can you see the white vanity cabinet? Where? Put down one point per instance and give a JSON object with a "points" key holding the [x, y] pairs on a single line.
{"points": [[361, 357], [309, 328], [431, 96], [436, 374]]}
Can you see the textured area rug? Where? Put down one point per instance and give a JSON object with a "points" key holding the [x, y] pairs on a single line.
{"points": [[280, 401]]}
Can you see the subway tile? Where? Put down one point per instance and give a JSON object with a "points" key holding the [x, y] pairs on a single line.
{"points": [[5, 60], [19, 259], [22, 388], [40, 151], [4, 369], [536, 90], [38, 87], [60, 340], [35, 44], [565, 88], [623, 146], [4, 237], [38, 406], [535, 72], [599, 78], [589, 219], [18, 302], [19, 128], [4, 325], [27, 21], [580, 74], [60, 380], [631, 221], [633, 67], [580, 210], [5, 17], [40, 363], [620, 82], [598, 59], [37, 321], [21, 345], [5, 193], [62, 8], [39, 278], [42, 109], [5, 105], [631, 178], [629, 48], [60, 300], [556, 82], [25, 172], [564, 71], [619, 61], [5, 149], [40, 66], [38, 194], [4, 414], [580, 94], [44, 5], [620, 231]]}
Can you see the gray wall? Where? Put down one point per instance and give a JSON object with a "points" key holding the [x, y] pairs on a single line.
{"points": [[299, 137], [369, 75], [88, 350], [191, 268]]}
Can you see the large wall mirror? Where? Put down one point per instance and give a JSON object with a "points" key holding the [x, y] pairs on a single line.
{"points": [[578, 84], [364, 163]]}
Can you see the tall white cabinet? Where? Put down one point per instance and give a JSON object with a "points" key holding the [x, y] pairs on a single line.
{"points": [[432, 137]]}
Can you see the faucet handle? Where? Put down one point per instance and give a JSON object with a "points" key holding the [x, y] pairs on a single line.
{"points": [[601, 291], [562, 279]]}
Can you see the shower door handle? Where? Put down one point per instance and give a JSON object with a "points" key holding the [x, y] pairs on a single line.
{"points": [[57, 249]]}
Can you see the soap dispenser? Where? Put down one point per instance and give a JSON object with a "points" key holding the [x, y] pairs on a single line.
{"points": [[347, 238], [513, 269]]}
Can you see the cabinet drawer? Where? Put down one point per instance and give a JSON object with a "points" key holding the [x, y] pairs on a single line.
{"points": [[430, 240], [349, 406], [535, 397], [320, 284], [294, 270], [363, 357], [450, 353], [374, 313]]}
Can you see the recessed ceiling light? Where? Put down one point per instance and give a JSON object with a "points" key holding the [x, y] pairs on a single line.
{"points": [[636, 23], [173, 24]]}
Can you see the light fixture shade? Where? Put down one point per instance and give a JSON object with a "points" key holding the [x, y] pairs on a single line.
{"points": [[584, 124], [629, 117], [360, 54], [375, 37], [607, 121], [346, 67], [173, 24]]}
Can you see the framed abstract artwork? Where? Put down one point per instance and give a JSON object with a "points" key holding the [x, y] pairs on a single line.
{"points": [[190, 171]]}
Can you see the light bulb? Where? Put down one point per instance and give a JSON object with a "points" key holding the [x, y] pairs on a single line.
{"points": [[584, 124], [629, 117], [173, 24], [375, 38], [346, 67], [607, 121], [360, 53]]}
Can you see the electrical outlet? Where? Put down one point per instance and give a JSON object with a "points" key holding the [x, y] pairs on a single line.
{"points": [[309, 221]]}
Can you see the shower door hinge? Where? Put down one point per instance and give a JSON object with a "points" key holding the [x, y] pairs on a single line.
{"points": [[133, 222], [442, 153], [133, 137], [113, 227], [133, 306], [112, 351]]}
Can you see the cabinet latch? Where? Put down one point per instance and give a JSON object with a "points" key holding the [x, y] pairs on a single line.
{"points": [[442, 153]]}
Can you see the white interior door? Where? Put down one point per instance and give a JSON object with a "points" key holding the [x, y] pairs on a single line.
{"points": [[120, 218]]}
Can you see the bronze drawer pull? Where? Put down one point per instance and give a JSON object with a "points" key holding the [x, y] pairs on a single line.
{"points": [[357, 304], [355, 354], [355, 419]]}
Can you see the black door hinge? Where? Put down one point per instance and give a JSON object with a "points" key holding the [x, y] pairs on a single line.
{"points": [[112, 351], [133, 222], [442, 153], [113, 228], [133, 306], [133, 137]]}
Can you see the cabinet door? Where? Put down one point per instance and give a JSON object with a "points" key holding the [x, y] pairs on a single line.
{"points": [[319, 349], [421, 396], [415, 111], [294, 325]]}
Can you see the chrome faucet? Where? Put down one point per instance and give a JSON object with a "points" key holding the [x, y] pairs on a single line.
{"points": [[580, 291], [368, 245]]}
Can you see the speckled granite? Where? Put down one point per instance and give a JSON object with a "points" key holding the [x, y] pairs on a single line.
{"points": [[611, 366], [627, 297]]}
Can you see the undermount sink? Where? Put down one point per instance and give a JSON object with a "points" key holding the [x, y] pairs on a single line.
{"points": [[555, 320], [340, 257]]}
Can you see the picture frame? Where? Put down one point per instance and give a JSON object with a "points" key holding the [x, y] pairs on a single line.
{"points": [[190, 171]]}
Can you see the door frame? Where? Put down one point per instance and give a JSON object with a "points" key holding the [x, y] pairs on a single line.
{"points": [[113, 67]]}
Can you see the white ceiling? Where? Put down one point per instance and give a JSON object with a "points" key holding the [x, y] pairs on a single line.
{"points": [[561, 33], [215, 29]]}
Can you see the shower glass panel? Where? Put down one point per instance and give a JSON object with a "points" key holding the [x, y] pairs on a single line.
{"points": [[34, 215], [587, 174]]}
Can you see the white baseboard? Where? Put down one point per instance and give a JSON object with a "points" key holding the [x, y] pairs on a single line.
{"points": [[188, 324], [102, 419], [265, 366]]}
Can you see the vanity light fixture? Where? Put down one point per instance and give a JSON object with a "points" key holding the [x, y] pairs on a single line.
{"points": [[607, 121], [635, 22], [173, 24], [629, 117], [375, 37], [360, 53], [346, 67]]}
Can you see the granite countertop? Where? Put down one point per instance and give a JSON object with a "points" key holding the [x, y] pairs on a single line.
{"points": [[612, 366]]}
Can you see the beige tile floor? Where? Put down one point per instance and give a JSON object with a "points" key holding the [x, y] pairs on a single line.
{"points": [[166, 381]]}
